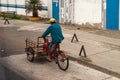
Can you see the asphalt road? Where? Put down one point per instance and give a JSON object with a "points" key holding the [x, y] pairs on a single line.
{"points": [[12, 41]]}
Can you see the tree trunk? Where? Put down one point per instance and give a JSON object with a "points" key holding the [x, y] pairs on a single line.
{"points": [[35, 13]]}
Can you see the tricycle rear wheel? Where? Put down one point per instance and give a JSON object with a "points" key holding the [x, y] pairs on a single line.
{"points": [[30, 54]]}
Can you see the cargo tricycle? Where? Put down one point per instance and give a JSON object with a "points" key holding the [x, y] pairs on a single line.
{"points": [[41, 48]]}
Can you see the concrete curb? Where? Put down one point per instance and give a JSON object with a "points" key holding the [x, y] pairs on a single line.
{"points": [[91, 65]]}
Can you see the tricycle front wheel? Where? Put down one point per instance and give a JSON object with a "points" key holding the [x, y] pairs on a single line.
{"points": [[62, 61], [30, 54]]}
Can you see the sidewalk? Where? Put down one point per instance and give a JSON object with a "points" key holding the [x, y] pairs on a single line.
{"points": [[103, 52]]}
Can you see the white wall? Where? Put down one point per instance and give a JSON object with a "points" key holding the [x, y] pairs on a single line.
{"points": [[18, 2], [49, 8], [87, 11], [3, 8], [19, 10], [45, 2], [11, 2]]}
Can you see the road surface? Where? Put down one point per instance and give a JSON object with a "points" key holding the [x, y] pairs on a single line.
{"points": [[12, 52]]}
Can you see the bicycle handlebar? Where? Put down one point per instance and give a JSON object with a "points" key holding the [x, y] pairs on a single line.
{"points": [[45, 40]]}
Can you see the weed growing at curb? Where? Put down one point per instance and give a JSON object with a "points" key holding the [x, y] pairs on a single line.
{"points": [[82, 58]]}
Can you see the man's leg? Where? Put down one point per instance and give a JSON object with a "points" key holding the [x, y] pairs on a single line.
{"points": [[51, 51]]}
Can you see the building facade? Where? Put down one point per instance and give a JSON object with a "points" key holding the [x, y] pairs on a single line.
{"points": [[76, 11], [105, 12], [19, 7]]}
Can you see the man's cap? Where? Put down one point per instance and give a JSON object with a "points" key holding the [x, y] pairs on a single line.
{"points": [[52, 20]]}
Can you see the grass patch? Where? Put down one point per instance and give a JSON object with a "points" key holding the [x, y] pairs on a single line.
{"points": [[1, 14], [13, 17]]}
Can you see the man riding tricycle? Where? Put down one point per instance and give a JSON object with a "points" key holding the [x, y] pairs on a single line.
{"points": [[45, 47]]}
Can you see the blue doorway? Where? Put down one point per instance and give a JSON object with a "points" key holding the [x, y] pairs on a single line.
{"points": [[55, 9], [112, 15]]}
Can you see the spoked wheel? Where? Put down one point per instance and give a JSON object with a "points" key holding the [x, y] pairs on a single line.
{"points": [[30, 54], [62, 61]]}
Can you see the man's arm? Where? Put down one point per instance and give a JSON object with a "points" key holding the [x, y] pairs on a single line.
{"points": [[46, 32]]}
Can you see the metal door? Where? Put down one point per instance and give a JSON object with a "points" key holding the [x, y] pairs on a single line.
{"points": [[112, 15], [55, 9]]}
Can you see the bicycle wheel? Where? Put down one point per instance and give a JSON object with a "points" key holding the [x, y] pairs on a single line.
{"points": [[62, 61], [30, 54]]}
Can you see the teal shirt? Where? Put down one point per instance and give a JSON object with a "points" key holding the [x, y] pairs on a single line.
{"points": [[56, 33]]}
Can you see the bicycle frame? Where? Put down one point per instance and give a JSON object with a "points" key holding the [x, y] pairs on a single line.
{"points": [[46, 45]]}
